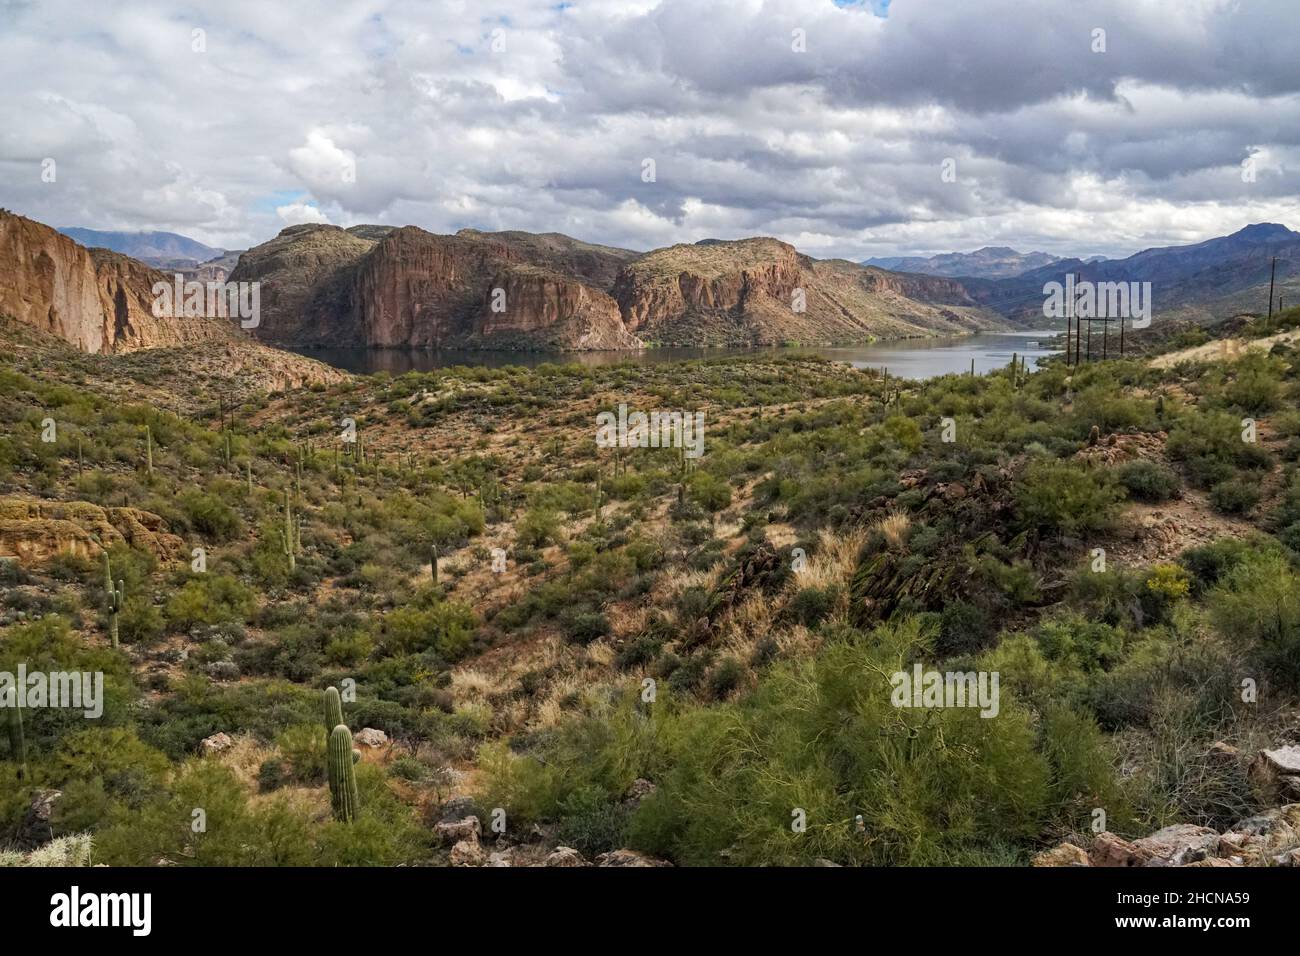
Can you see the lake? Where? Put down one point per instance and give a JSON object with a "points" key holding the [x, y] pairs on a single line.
{"points": [[906, 358]]}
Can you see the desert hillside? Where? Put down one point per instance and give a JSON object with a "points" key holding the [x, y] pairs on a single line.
{"points": [[553, 653]]}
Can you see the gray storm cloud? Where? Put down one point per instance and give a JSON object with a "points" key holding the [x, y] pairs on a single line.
{"points": [[229, 121]]}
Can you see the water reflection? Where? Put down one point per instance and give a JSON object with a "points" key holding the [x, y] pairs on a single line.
{"points": [[907, 358]]}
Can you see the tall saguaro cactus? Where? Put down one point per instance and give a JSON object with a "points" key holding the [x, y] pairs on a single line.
{"points": [[333, 709], [116, 595], [289, 534], [148, 450], [344, 798]]}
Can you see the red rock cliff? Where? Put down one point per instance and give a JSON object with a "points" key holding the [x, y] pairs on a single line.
{"points": [[97, 300]]}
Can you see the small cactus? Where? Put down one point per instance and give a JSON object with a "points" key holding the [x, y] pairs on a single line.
{"points": [[344, 798], [1094, 436]]}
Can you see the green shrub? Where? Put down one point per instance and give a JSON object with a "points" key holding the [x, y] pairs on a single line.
{"points": [[447, 627], [1148, 481], [1056, 496], [1257, 604], [811, 606], [709, 492], [1235, 497], [210, 599]]}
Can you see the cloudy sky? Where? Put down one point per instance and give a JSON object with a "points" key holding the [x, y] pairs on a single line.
{"points": [[1096, 128]]}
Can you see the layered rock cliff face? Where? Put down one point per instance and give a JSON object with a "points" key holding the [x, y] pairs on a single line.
{"points": [[96, 300], [551, 310], [762, 291], [418, 289], [409, 288], [378, 286], [307, 277]]}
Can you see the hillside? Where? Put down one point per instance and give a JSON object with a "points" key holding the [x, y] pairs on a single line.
{"points": [[1202, 281], [153, 248], [744, 293], [326, 286], [828, 536], [991, 262]]}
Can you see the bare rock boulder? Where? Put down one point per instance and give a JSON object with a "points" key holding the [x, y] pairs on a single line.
{"points": [[217, 743], [565, 856], [455, 831], [370, 737], [1067, 854], [628, 858], [468, 853]]}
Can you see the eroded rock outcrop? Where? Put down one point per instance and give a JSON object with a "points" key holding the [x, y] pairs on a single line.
{"points": [[96, 300], [35, 531], [545, 309]]}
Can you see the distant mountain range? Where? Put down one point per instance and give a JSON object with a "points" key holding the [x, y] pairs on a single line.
{"points": [[154, 248], [372, 285], [991, 262], [1208, 280]]}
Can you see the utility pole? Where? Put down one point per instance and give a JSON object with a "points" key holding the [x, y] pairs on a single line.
{"points": [[1069, 324], [1272, 273], [1078, 325]]}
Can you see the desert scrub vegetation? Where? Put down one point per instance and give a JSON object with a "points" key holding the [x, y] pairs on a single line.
{"points": [[835, 530]]}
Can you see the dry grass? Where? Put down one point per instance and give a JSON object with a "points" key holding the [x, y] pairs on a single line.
{"points": [[469, 685], [894, 527]]}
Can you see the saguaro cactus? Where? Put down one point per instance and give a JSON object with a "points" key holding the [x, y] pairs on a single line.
{"points": [[344, 798], [289, 534], [148, 451], [433, 562], [333, 709], [116, 595], [17, 742]]}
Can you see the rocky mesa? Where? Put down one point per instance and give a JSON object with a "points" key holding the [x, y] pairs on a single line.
{"points": [[764, 292], [410, 288]]}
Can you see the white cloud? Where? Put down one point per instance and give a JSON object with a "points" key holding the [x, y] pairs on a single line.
{"points": [[837, 148], [297, 213]]}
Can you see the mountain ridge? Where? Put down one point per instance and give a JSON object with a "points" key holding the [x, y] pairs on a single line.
{"points": [[513, 289]]}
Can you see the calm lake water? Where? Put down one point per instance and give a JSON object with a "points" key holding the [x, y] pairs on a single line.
{"points": [[907, 358]]}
